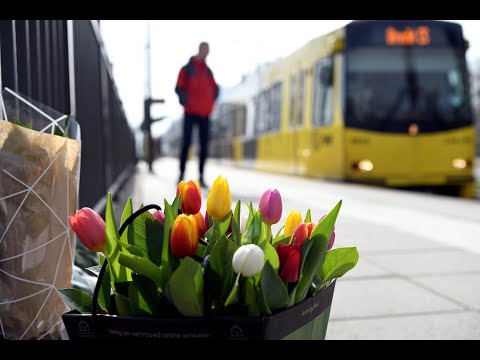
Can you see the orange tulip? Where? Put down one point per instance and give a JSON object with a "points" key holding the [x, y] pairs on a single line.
{"points": [[300, 233], [200, 224], [184, 236]]}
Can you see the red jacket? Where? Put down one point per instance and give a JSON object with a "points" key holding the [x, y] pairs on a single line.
{"points": [[196, 88]]}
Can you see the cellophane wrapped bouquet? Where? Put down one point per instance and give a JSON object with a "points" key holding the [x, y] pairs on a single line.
{"points": [[176, 262]]}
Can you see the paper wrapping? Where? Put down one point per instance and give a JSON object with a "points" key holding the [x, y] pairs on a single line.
{"points": [[39, 179]]}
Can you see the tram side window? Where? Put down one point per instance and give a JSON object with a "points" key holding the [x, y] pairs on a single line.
{"points": [[292, 101], [323, 93], [261, 113], [301, 91], [276, 92]]}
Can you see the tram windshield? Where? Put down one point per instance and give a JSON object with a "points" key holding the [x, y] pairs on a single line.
{"points": [[387, 89]]}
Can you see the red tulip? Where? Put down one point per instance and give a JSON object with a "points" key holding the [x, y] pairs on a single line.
{"points": [[184, 236], [271, 206], [90, 229], [290, 257], [190, 197]]}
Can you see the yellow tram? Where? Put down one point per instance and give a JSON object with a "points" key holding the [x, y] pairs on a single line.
{"points": [[383, 102]]}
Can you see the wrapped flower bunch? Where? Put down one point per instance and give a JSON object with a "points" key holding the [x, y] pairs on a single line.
{"points": [[174, 261]]}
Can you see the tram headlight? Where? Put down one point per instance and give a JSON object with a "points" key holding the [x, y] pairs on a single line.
{"points": [[459, 163], [365, 165]]}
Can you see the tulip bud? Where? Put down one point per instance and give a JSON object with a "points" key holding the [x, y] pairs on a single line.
{"points": [[200, 224], [271, 206], [300, 234], [90, 229], [219, 201], [293, 219], [243, 221], [159, 215], [248, 260], [290, 257], [332, 237], [190, 197], [310, 227], [207, 220], [184, 236]]}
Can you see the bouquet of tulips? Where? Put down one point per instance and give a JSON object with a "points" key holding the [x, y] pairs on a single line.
{"points": [[177, 262]]}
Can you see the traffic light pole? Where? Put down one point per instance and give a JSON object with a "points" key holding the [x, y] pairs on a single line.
{"points": [[147, 126]]}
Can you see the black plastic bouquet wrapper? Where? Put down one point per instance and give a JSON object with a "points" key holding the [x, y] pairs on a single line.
{"points": [[305, 321]]}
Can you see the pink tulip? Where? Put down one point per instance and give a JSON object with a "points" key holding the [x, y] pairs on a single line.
{"points": [[332, 237], [90, 229], [271, 206], [158, 214]]}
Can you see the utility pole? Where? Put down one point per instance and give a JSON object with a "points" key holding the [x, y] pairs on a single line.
{"points": [[147, 119]]}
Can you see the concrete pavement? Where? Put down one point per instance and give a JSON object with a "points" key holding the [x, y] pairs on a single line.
{"points": [[418, 276]]}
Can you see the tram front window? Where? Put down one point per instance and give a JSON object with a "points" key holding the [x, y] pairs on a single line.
{"points": [[387, 89]]}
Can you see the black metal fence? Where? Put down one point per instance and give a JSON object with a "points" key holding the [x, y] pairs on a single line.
{"points": [[62, 64]]}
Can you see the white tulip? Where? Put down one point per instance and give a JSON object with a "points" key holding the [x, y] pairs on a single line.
{"points": [[243, 221], [248, 260]]}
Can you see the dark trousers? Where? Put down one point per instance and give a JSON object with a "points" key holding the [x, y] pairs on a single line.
{"points": [[203, 124]]}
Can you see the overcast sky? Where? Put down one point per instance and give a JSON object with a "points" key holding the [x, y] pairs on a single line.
{"points": [[236, 47]]}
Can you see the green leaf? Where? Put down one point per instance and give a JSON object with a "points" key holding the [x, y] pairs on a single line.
{"points": [[255, 232], [118, 272], [105, 289], [141, 266], [212, 236], [262, 304], [325, 227], [146, 232], [236, 225], [135, 250], [78, 299], [57, 131], [224, 223], [251, 297], [314, 259], [273, 289], [271, 254], [233, 296], [216, 266], [308, 217], [127, 212], [337, 263], [283, 239], [278, 233], [221, 275], [122, 302], [144, 297], [169, 262], [186, 288]]}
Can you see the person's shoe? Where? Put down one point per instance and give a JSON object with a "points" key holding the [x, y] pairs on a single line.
{"points": [[202, 183]]}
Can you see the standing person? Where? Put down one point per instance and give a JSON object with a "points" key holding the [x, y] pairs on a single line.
{"points": [[197, 92]]}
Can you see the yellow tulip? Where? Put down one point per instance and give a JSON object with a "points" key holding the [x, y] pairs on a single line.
{"points": [[219, 202], [293, 219]]}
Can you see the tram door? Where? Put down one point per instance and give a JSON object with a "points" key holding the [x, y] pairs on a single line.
{"points": [[326, 149]]}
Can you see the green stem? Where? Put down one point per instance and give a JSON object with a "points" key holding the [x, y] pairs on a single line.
{"points": [[269, 233]]}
